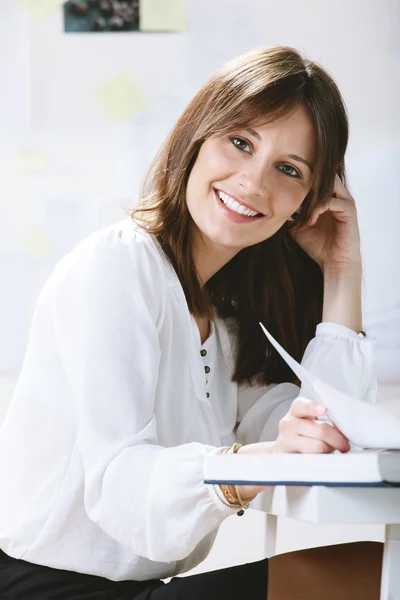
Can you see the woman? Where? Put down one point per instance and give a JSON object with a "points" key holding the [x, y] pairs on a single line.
{"points": [[145, 354]]}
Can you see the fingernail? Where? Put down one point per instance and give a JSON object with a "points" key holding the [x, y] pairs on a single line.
{"points": [[321, 409]]}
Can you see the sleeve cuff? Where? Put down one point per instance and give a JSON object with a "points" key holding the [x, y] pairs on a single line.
{"points": [[222, 508], [339, 331]]}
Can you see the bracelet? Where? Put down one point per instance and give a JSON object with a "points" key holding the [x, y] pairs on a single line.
{"points": [[228, 504], [233, 502], [233, 449], [228, 494], [237, 501], [244, 505]]}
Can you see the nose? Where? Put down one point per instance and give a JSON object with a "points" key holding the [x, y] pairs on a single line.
{"points": [[254, 186]]}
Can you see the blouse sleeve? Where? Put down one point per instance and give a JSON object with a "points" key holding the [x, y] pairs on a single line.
{"points": [[108, 307], [337, 355]]}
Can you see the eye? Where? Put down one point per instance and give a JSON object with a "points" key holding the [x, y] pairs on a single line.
{"points": [[240, 144], [290, 171]]}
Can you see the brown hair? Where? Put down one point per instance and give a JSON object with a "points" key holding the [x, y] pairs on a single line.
{"points": [[274, 281]]}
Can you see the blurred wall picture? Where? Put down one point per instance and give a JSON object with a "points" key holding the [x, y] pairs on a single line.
{"points": [[86, 16], [102, 15]]}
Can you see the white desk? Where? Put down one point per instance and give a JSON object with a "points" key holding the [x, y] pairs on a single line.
{"points": [[345, 505]]}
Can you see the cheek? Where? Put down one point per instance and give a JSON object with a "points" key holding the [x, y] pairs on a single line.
{"points": [[287, 200], [210, 166]]}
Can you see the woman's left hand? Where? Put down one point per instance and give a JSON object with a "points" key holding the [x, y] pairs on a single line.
{"points": [[331, 237]]}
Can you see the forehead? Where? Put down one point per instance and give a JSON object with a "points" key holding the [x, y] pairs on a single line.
{"points": [[298, 120], [296, 131]]}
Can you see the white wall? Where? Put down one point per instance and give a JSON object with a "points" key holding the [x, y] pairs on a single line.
{"points": [[94, 166]]}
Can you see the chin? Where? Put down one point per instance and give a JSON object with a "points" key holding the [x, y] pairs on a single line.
{"points": [[224, 238]]}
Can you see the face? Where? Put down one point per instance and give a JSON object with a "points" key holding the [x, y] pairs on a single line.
{"points": [[245, 185]]}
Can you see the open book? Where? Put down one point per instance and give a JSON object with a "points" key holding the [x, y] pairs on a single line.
{"points": [[366, 426]]}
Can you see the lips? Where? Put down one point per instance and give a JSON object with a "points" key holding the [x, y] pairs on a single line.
{"points": [[232, 215], [238, 201]]}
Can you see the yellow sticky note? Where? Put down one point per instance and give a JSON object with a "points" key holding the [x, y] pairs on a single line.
{"points": [[39, 244], [39, 9], [162, 15], [121, 97], [31, 159]]}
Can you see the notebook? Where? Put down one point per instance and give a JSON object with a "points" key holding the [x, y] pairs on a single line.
{"points": [[357, 468]]}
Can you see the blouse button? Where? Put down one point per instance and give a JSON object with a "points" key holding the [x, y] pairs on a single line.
{"points": [[207, 369], [207, 394], [203, 352]]}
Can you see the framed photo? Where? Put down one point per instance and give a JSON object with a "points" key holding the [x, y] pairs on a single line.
{"points": [[88, 16], [101, 15]]}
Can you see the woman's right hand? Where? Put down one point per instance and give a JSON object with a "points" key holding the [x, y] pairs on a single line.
{"points": [[299, 432]]}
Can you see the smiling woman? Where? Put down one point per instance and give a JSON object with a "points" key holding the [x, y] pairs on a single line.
{"points": [[267, 133], [145, 355]]}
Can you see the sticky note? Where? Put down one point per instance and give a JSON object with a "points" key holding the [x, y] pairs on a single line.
{"points": [[31, 159], [162, 15], [121, 97], [39, 9], [39, 244]]}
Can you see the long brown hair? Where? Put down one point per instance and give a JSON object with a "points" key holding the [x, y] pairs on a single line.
{"points": [[274, 281]]}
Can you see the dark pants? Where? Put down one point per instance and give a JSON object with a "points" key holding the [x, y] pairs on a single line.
{"points": [[20, 580]]}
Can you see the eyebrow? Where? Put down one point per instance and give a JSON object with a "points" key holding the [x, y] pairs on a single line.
{"points": [[302, 160], [294, 156], [253, 132]]}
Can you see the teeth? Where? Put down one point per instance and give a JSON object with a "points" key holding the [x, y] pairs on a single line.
{"points": [[235, 206]]}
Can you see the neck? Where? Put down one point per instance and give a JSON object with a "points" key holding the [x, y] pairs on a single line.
{"points": [[209, 258]]}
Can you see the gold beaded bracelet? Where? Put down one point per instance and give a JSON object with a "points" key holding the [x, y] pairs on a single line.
{"points": [[216, 487], [233, 502], [228, 494]]}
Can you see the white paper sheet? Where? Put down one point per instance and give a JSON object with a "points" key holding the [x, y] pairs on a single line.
{"points": [[364, 425]]}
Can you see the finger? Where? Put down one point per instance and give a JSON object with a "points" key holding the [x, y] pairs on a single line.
{"points": [[298, 444], [308, 445], [304, 407], [324, 432], [340, 190], [339, 206]]}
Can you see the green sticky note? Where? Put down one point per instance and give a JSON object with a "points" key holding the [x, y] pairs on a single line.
{"points": [[38, 244], [39, 9], [122, 97], [162, 15], [31, 159]]}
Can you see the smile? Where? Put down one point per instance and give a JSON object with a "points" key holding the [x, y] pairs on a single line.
{"points": [[235, 209]]}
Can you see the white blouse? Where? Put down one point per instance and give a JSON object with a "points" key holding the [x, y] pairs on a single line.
{"points": [[118, 404]]}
